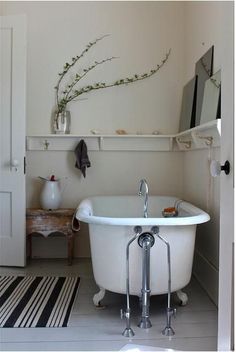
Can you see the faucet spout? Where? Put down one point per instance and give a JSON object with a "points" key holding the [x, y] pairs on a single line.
{"points": [[143, 191]]}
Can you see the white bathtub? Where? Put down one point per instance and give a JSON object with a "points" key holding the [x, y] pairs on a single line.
{"points": [[111, 222]]}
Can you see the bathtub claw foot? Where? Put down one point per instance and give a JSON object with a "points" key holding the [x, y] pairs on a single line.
{"points": [[128, 332], [168, 331], [182, 297], [98, 297], [145, 323]]}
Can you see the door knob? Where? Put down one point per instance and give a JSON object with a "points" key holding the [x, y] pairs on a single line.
{"points": [[15, 163], [216, 168]]}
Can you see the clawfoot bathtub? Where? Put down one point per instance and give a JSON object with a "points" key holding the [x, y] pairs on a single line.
{"points": [[111, 222]]}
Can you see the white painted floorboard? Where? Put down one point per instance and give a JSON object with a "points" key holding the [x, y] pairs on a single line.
{"points": [[92, 329]]}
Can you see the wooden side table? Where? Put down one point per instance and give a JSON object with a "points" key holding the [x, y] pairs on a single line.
{"points": [[46, 222]]}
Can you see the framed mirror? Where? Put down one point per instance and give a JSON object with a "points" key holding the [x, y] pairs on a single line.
{"points": [[203, 70], [211, 99], [188, 108]]}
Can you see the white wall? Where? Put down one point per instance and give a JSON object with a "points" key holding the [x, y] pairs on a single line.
{"points": [[141, 34], [203, 190], [203, 29]]}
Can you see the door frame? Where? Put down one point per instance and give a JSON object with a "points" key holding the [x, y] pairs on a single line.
{"points": [[226, 247]]}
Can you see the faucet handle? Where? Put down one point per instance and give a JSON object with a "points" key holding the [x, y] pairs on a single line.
{"points": [[155, 230]]}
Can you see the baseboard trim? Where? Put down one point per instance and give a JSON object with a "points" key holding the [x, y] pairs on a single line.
{"points": [[207, 275]]}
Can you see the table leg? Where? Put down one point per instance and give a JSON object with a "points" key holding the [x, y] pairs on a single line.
{"points": [[29, 245], [70, 241]]}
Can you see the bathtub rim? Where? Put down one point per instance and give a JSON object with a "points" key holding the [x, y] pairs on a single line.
{"points": [[84, 214]]}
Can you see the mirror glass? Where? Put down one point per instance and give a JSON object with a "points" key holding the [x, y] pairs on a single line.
{"points": [[211, 99], [203, 70], [187, 116]]}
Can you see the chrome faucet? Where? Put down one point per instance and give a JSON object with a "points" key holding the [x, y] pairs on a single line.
{"points": [[143, 183]]}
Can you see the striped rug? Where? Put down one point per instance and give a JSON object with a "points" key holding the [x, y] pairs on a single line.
{"points": [[36, 301]]}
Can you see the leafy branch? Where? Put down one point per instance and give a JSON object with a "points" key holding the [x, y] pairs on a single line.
{"points": [[70, 92], [79, 77], [74, 60]]}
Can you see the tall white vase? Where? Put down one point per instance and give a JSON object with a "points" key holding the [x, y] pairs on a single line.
{"points": [[51, 195]]}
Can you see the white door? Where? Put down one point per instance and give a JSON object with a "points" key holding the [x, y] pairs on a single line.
{"points": [[12, 139], [225, 314]]}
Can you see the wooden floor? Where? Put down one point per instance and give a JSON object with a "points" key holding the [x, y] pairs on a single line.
{"points": [[92, 329]]}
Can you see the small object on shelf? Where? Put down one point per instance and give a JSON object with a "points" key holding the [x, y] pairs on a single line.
{"points": [[121, 132], [156, 132], [95, 131]]}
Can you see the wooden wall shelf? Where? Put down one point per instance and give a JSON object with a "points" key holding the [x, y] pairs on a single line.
{"points": [[196, 138], [200, 137], [101, 142]]}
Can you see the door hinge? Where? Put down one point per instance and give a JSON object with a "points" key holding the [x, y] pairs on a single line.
{"points": [[24, 165]]}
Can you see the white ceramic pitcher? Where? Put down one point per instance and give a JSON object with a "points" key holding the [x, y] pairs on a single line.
{"points": [[51, 195]]}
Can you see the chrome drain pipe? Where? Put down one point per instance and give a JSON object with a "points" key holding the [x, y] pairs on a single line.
{"points": [[168, 331], [145, 241], [128, 332]]}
